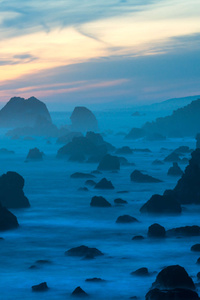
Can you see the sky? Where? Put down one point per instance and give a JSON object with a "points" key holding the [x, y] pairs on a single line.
{"points": [[99, 53]]}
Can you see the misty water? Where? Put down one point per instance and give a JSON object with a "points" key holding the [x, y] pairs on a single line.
{"points": [[60, 217]]}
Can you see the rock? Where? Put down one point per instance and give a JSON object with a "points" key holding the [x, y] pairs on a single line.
{"points": [[99, 201], [137, 238], [155, 137], [83, 189], [77, 157], [198, 261], [83, 251], [104, 184], [173, 277], [79, 292], [7, 219], [120, 201], [175, 170], [19, 112], [4, 151], [95, 279], [135, 133], [198, 275], [83, 120], [96, 172], [174, 294], [82, 175], [166, 204], [126, 219], [143, 150], [40, 287], [182, 150], [198, 140], [11, 191], [184, 231], [34, 154], [157, 162], [67, 138], [124, 150], [195, 248], [139, 177], [43, 262], [90, 182], [172, 157], [156, 231], [109, 163], [141, 272]]}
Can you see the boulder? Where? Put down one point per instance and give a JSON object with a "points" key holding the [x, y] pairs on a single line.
{"points": [[79, 175], [184, 231], [175, 170], [139, 177], [104, 184], [11, 191], [156, 231], [162, 204], [120, 201], [141, 272], [195, 248], [79, 292], [7, 219], [174, 294], [99, 201], [34, 154], [137, 238], [83, 120], [40, 287], [109, 163], [126, 219], [83, 251]]}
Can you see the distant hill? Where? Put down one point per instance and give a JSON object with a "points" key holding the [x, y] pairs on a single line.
{"points": [[182, 122], [20, 112]]}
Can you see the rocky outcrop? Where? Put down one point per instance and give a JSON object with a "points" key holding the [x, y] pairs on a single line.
{"points": [[83, 120], [175, 170], [139, 177], [156, 231], [184, 231], [34, 155], [40, 287], [11, 191], [109, 163], [104, 184], [7, 219], [99, 201], [68, 137], [174, 294], [79, 292], [173, 157]]}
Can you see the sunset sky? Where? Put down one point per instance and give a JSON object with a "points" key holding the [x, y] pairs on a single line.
{"points": [[109, 53]]}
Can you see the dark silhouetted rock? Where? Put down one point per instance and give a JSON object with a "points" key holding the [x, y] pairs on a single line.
{"points": [[157, 162], [67, 138], [120, 201], [83, 251], [156, 231], [90, 182], [174, 294], [99, 201], [184, 231], [126, 219], [40, 287], [7, 219], [43, 262], [11, 191], [175, 170], [141, 272], [95, 279], [198, 261], [166, 204], [82, 175], [137, 176], [173, 277], [137, 238], [182, 150], [104, 184], [124, 150], [195, 248], [79, 292], [109, 163], [83, 120], [172, 157], [34, 154]]}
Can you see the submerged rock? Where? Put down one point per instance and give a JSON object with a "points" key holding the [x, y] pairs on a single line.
{"points": [[175, 170], [104, 184], [126, 219], [109, 163], [83, 251], [156, 231], [40, 287], [137, 176], [83, 120], [7, 219], [99, 201], [11, 191], [34, 154]]}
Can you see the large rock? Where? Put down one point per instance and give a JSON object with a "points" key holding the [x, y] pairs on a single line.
{"points": [[99, 201], [7, 219], [83, 120], [104, 184], [11, 191], [83, 251], [156, 231], [137, 176], [34, 154], [109, 163], [19, 112], [162, 204], [184, 231], [175, 294]]}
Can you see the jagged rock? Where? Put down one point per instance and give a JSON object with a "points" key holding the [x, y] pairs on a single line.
{"points": [[7, 219], [34, 154], [11, 191], [126, 219], [156, 231], [83, 120], [109, 163], [104, 184], [120, 201], [141, 272], [174, 294], [40, 287], [83, 251], [82, 175], [175, 170], [79, 292], [124, 150], [184, 231], [137, 176], [166, 204], [195, 248], [99, 201]]}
